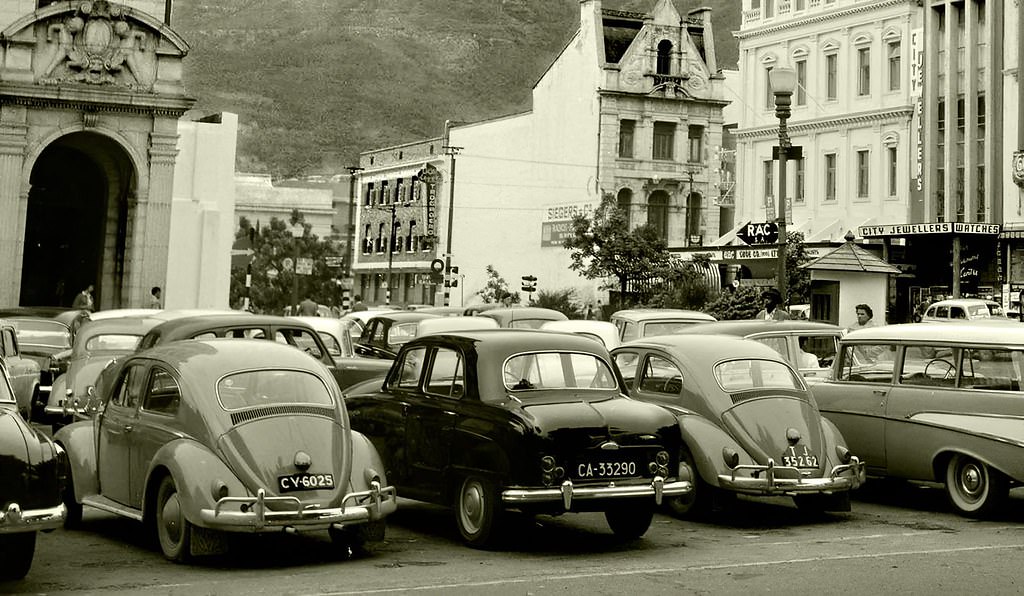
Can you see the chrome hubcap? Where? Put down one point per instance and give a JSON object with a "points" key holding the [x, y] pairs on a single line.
{"points": [[971, 480], [472, 507], [172, 518]]}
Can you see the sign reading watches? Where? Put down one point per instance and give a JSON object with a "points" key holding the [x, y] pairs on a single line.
{"points": [[944, 227]]}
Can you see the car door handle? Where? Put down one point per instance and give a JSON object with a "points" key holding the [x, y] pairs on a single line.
{"points": [[128, 428], [450, 414], [880, 391]]}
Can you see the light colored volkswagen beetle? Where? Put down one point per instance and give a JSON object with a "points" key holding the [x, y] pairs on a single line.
{"points": [[202, 437]]}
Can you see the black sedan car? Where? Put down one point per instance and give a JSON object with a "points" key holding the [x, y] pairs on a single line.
{"points": [[31, 468], [384, 334], [498, 420]]}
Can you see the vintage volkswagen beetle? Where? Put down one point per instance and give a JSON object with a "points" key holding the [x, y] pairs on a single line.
{"points": [[934, 403], [522, 317], [749, 423], [493, 420], [226, 435], [634, 323], [31, 477], [96, 344]]}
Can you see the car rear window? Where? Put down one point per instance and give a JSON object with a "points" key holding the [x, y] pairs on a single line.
{"points": [[557, 370], [272, 388], [112, 341], [746, 374], [43, 333], [402, 333], [665, 327]]}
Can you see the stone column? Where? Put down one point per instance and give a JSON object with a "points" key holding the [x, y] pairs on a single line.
{"points": [[13, 201], [151, 230]]}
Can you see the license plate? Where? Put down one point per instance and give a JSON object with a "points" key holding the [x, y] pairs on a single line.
{"points": [[607, 469], [294, 482], [799, 456]]}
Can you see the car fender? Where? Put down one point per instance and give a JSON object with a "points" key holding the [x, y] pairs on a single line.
{"points": [[706, 441], [365, 460], [79, 442], [197, 472], [56, 397]]}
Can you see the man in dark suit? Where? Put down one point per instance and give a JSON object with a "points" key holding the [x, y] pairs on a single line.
{"points": [[772, 310]]}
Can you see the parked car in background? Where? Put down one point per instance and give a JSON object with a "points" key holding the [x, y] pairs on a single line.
{"points": [[31, 478], [935, 403], [497, 420], [286, 330], [523, 317], [227, 435], [748, 421], [384, 334], [634, 323], [97, 344], [45, 335], [337, 336], [449, 324], [360, 317], [444, 311], [603, 331], [23, 372], [475, 309], [962, 309], [800, 312], [808, 347]]}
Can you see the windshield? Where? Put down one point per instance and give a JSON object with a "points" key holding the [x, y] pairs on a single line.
{"points": [[979, 311], [402, 333], [112, 342], [36, 332], [272, 388], [742, 375], [557, 370]]}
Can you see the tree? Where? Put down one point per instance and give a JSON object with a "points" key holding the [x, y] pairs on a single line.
{"points": [[496, 289], [271, 283], [564, 301], [683, 286], [798, 279], [603, 246], [742, 303]]}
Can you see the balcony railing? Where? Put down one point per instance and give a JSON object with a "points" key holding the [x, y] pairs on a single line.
{"points": [[661, 79]]}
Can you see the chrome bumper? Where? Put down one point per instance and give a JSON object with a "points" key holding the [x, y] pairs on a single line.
{"points": [[356, 508], [765, 480], [567, 492], [16, 520]]}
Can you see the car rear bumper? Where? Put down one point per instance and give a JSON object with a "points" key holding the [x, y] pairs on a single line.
{"points": [[14, 519], [567, 492], [253, 515], [787, 480]]}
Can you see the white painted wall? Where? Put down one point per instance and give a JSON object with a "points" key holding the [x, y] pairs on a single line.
{"points": [[857, 288]]}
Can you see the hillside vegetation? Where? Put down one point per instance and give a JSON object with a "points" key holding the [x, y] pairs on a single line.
{"points": [[315, 82]]}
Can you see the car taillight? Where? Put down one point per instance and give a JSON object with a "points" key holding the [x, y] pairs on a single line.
{"points": [[659, 466], [551, 472]]}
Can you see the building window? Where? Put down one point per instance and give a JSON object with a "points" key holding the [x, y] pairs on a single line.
{"points": [[769, 178], [801, 82], [693, 206], [798, 191], [830, 176], [381, 239], [696, 134], [863, 173], [769, 8], [664, 139], [894, 66], [368, 196], [624, 202], [863, 71], [664, 65], [657, 212], [769, 97], [412, 240], [385, 193], [893, 155], [367, 240], [831, 77], [626, 130]]}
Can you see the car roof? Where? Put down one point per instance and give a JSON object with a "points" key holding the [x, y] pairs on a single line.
{"points": [[462, 323], [512, 313], [515, 340], [606, 331], [404, 316], [187, 326], [56, 313], [706, 349], [637, 314], [125, 325], [1007, 334], [116, 313], [963, 302], [216, 357], [747, 327]]}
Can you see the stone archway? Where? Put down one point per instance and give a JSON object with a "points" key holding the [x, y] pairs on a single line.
{"points": [[77, 221]]}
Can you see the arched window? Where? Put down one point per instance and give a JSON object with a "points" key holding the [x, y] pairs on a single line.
{"points": [[657, 212], [412, 241], [664, 65], [693, 207], [381, 240], [367, 240], [625, 200]]}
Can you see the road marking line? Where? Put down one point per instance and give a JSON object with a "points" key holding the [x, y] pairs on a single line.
{"points": [[625, 573]]}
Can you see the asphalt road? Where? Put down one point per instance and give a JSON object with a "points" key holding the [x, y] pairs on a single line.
{"points": [[899, 538]]}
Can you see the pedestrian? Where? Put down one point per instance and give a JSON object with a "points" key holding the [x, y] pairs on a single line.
{"points": [[358, 304], [83, 301], [920, 310], [154, 298], [864, 317], [772, 299], [308, 308]]}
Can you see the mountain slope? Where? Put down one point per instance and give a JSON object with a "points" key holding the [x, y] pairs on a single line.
{"points": [[315, 82]]}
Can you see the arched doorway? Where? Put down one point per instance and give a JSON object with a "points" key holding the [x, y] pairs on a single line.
{"points": [[76, 221]]}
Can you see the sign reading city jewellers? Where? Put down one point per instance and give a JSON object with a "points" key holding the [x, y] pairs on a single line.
{"points": [[942, 227]]}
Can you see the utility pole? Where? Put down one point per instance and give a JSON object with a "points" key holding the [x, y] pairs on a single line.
{"points": [[391, 253], [451, 152], [350, 255]]}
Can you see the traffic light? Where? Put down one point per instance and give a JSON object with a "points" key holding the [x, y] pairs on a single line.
{"points": [[530, 283], [437, 271], [453, 276]]}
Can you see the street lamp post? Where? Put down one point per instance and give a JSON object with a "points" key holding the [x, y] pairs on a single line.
{"points": [[350, 257], [783, 82], [297, 230], [391, 254]]}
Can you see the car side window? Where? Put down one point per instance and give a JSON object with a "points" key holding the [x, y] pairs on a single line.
{"points": [[8, 344], [941, 312], [868, 363], [955, 312], [776, 343], [447, 374], [411, 368], [301, 339], [627, 363], [163, 395], [132, 382], [928, 366], [630, 330], [996, 369], [660, 375], [207, 335]]}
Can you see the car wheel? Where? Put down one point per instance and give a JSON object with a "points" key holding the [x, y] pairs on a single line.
{"points": [[16, 551], [699, 500], [173, 531], [973, 488], [478, 512], [630, 522]]}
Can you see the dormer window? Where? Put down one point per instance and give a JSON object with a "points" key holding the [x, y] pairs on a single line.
{"points": [[664, 65]]}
